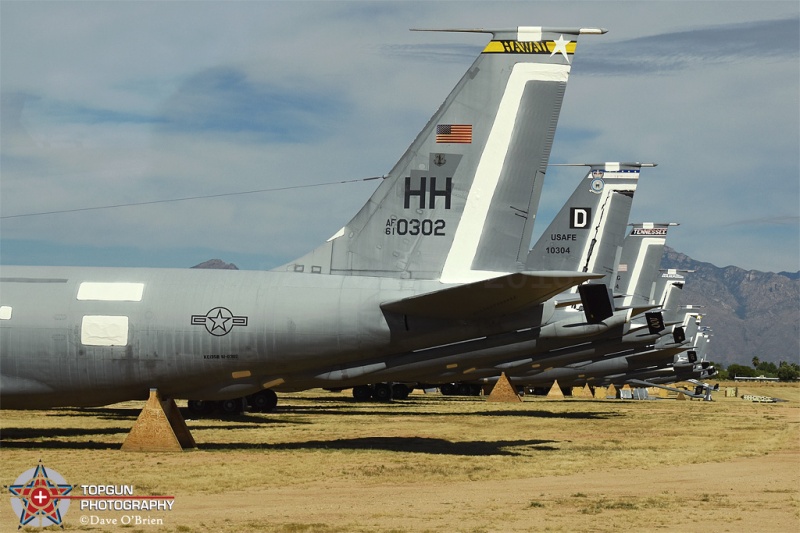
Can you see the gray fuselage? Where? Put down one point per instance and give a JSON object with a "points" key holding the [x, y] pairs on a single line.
{"points": [[187, 331]]}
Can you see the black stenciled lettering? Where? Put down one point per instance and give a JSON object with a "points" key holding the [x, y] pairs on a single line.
{"points": [[518, 47], [409, 192], [448, 188], [416, 226], [402, 226], [579, 217]]}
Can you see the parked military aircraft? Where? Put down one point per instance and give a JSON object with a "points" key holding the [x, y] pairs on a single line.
{"points": [[436, 256], [637, 278], [597, 212], [586, 234]]}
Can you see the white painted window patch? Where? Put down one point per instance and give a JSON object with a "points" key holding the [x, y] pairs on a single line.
{"points": [[101, 330], [111, 292], [5, 312]]}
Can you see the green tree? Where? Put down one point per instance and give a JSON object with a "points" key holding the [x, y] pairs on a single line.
{"points": [[735, 370], [788, 371], [722, 374], [756, 361], [768, 369]]}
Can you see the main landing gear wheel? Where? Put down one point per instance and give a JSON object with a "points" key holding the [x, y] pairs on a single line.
{"points": [[362, 393], [448, 389], [400, 391], [201, 407], [382, 392], [263, 401], [233, 407]]}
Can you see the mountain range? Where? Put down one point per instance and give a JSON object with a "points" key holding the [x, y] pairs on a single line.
{"points": [[751, 313]]}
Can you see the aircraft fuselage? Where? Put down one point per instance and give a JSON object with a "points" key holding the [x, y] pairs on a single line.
{"points": [[118, 332]]}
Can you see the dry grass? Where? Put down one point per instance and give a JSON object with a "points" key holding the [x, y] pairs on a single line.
{"points": [[323, 463]]}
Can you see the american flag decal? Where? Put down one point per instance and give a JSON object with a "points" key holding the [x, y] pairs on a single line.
{"points": [[454, 133]]}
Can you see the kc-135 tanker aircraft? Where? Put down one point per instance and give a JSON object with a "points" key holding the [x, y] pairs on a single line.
{"points": [[437, 256]]}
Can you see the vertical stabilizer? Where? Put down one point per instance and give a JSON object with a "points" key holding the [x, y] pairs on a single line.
{"points": [[587, 234], [638, 266], [669, 287], [459, 204]]}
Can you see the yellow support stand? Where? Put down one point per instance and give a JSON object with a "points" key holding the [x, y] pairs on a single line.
{"points": [[503, 391], [159, 428], [555, 392]]}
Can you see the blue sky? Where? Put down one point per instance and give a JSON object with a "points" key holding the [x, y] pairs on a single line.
{"points": [[111, 103]]}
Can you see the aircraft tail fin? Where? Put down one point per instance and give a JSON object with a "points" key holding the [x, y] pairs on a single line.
{"points": [[639, 262], [669, 289], [458, 206], [587, 234]]}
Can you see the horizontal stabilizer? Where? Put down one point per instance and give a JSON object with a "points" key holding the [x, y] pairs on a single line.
{"points": [[639, 309], [572, 301], [656, 355], [492, 297], [569, 302]]}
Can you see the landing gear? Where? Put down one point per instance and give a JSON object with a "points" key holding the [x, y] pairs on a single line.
{"points": [[263, 401], [400, 391], [460, 389], [201, 407], [233, 407], [464, 389], [448, 389], [381, 392], [362, 393]]}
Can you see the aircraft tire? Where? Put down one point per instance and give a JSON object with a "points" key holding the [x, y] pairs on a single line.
{"points": [[382, 392], [263, 401], [400, 391], [201, 407], [448, 389], [362, 393], [464, 389], [233, 407]]}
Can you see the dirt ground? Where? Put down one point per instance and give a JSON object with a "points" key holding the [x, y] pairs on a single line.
{"points": [[323, 463]]}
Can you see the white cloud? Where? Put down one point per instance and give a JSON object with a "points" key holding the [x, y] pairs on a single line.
{"points": [[129, 102]]}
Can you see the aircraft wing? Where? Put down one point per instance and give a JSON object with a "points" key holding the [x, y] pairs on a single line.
{"points": [[487, 298]]}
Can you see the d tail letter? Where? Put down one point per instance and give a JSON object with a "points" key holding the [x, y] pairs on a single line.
{"points": [[579, 217]]}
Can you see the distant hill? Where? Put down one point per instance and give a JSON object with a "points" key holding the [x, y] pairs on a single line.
{"points": [[218, 264], [751, 313]]}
